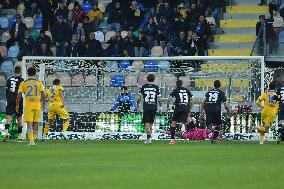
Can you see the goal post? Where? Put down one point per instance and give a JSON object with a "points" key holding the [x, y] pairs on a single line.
{"points": [[92, 83]]}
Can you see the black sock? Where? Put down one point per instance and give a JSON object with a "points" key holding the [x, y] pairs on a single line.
{"points": [[173, 131], [20, 130], [216, 132], [148, 136], [7, 126]]}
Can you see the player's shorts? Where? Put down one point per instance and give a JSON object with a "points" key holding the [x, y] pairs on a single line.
{"points": [[11, 109], [57, 110], [180, 115], [213, 117], [268, 116], [149, 115], [32, 115]]}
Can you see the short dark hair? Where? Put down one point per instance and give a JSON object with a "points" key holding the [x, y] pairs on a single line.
{"points": [[56, 82], [151, 78], [123, 88], [272, 86], [179, 83], [18, 70], [31, 71], [217, 84]]}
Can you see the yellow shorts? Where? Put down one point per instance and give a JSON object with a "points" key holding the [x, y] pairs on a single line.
{"points": [[32, 115], [58, 110], [268, 116]]}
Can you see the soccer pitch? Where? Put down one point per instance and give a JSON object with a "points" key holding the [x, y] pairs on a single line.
{"points": [[132, 164]]}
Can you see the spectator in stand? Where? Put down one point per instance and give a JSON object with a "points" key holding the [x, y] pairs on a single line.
{"points": [[61, 10], [202, 29], [95, 16], [129, 44], [141, 47], [125, 5], [269, 35], [9, 4], [31, 8], [215, 7], [134, 16], [88, 27], [179, 46], [71, 21], [150, 31], [78, 13], [16, 31], [165, 11], [93, 46], [76, 47], [43, 50], [195, 45], [116, 17], [272, 8], [116, 45], [62, 36], [47, 8], [262, 2], [163, 31], [193, 16], [43, 38], [26, 44], [80, 32], [149, 6], [178, 25]]}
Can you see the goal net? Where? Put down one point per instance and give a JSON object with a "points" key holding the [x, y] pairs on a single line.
{"points": [[92, 84]]}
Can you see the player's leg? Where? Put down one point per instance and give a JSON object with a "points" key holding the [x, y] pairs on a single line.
{"points": [[63, 114], [173, 131], [148, 132], [47, 126], [20, 127], [35, 129], [36, 120], [7, 125], [30, 133]]}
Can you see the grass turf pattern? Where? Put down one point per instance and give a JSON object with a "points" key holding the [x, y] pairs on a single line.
{"points": [[132, 164]]}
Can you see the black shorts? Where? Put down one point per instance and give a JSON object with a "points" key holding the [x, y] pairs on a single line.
{"points": [[149, 115], [180, 115], [213, 117], [11, 109]]}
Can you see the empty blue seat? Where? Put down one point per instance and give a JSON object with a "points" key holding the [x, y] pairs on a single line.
{"points": [[13, 51], [87, 7], [124, 64], [4, 22], [164, 65], [151, 64], [7, 66], [281, 37], [12, 21], [117, 81], [38, 22]]}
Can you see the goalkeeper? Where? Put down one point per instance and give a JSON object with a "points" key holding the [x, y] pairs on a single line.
{"points": [[124, 102]]}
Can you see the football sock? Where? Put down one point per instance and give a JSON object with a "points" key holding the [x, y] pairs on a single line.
{"points": [[30, 135], [20, 130], [261, 129], [6, 128], [35, 135], [148, 136], [216, 132], [65, 126], [173, 131], [46, 129], [262, 137]]}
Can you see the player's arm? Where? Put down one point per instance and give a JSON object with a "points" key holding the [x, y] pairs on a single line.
{"points": [[203, 103], [227, 108], [61, 93], [43, 99], [259, 101], [139, 100], [132, 102], [160, 101], [191, 105], [18, 100], [116, 105], [168, 103]]}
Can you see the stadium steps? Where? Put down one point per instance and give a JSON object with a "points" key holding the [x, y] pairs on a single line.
{"points": [[237, 29]]}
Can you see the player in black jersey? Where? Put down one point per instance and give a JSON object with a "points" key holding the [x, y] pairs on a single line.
{"points": [[182, 107], [212, 107], [12, 87], [150, 94], [280, 93]]}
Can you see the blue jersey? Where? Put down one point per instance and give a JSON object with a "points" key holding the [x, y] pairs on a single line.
{"points": [[124, 102]]}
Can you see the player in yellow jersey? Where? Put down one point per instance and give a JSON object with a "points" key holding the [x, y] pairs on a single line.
{"points": [[33, 90], [269, 104], [56, 107]]}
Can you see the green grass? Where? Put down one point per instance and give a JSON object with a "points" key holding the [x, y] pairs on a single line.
{"points": [[125, 164]]}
